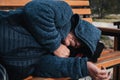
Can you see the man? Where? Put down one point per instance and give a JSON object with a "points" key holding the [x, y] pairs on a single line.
{"points": [[35, 40]]}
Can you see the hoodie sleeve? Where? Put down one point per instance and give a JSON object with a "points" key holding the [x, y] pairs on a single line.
{"points": [[53, 66], [41, 25]]}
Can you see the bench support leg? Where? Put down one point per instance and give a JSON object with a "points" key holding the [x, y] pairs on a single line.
{"points": [[116, 72], [117, 43]]}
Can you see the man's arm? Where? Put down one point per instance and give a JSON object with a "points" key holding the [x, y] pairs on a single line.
{"points": [[41, 24], [73, 67], [56, 67]]}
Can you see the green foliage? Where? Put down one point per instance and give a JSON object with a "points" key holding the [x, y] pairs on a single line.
{"points": [[103, 7]]}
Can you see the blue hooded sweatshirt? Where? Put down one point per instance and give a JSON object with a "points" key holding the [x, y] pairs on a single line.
{"points": [[30, 34], [49, 22]]}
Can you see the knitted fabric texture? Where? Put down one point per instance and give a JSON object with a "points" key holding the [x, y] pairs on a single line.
{"points": [[48, 22]]}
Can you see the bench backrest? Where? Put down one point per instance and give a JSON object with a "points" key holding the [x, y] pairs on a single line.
{"points": [[81, 7]]}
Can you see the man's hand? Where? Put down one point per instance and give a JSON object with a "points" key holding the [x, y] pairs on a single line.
{"points": [[96, 73], [62, 51]]}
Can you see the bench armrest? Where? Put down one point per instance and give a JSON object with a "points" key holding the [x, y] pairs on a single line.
{"points": [[110, 31]]}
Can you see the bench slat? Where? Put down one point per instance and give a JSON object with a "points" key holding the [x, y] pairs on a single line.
{"points": [[110, 31], [82, 11], [107, 51], [109, 55], [78, 3], [23, 2], [81, 7], [88, 19], [109, 62], [13, 2]]}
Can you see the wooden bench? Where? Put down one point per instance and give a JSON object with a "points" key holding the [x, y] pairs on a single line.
{"points": [[108, 58]]}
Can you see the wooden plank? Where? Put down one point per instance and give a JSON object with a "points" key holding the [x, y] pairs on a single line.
{"points": [[106, 51], [110, 31], [109, 55], [78, 3], [82, 11], [88, 19], [13, 2], [109, 62], [23, 2]]}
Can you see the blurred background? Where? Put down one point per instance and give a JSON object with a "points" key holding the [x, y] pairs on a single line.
{"points": [[104, 13]]}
